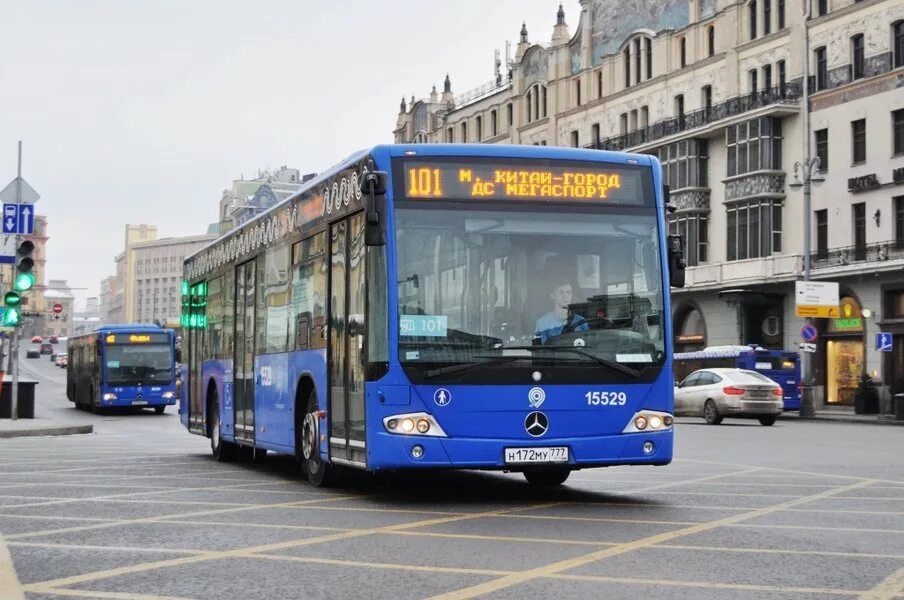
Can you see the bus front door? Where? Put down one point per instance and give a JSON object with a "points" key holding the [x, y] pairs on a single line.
{"points": [[346, 341], [243, 365]]}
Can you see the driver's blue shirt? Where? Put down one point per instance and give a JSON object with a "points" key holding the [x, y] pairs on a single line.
{"points": [[550, 325]]}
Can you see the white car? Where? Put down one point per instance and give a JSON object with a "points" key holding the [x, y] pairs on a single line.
{"points": [[718, 393]]}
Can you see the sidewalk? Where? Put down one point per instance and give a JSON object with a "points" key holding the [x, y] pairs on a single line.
{"points": [[846, 415], [40, 427]]}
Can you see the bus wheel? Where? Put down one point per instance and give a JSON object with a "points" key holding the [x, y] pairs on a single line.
{"points": [[159, 409], [768, 420], [547, 476], [318, 472], [222, 451], [711, 413]]}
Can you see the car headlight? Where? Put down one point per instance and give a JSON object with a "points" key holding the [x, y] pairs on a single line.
{"points": [[649, 420], [417, 424]]}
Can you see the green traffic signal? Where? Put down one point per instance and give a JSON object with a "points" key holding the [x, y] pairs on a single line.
{"points": [[24, 281], [11, 316], [12, 299]]}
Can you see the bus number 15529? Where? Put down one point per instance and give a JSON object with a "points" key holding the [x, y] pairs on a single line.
{"points": [[606, 398]]}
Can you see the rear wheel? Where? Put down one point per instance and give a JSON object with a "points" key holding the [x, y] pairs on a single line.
{"points": [[222, 450], [767, 421], [711, 413], [547, 476], [318, 472]]}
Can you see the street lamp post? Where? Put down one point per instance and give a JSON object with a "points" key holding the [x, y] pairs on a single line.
{"points": [[807, 172]]}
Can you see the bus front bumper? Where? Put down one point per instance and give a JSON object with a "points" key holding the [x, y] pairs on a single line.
{"points": [[390, 451], [123, 401]]}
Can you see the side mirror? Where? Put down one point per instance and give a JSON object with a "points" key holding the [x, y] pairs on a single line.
{"points": [[373, 186], [675, 244]]}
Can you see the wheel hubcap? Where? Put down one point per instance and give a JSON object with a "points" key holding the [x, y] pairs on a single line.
{"points": [[309, 436]]}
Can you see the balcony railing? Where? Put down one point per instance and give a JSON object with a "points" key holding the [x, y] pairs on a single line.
{"points": [[781, 94], [876, 252]]}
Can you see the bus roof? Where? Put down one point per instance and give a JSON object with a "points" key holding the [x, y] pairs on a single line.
{"points": [[724, 352], [389, 151]]}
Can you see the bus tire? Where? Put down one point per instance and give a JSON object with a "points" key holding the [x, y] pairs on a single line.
{"points": [[159, 409], [547, 476], [222, 450], [308, 445], [768, 421], [711, 413]]}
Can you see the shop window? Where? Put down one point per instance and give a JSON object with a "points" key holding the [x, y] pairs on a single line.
{"points": [[690, 332]]}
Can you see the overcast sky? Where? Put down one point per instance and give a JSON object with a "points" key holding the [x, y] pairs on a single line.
{"points": [[144, 112]]}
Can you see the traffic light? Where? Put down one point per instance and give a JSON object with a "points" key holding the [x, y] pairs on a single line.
{"points": [[12, 313], [25, 266], [23, 280]]}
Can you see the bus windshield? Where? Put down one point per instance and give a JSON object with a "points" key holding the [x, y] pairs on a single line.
{"points": [[134, 364], [576, 284]]}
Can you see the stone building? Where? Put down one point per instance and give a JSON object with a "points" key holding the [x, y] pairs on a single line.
{"points": [[715, 89]]}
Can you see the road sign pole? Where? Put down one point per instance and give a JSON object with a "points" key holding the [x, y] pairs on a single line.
{"points": [[14, 345]]}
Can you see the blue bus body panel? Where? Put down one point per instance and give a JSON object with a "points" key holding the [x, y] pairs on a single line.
{"points": [[275, 386], [480, 421]]}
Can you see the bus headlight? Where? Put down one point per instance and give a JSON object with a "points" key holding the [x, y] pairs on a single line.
{"points": [[649, 420], [169, 395], [417, 424], [109, 396]]}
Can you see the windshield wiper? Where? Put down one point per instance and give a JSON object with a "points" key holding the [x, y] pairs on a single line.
{"points": [[609, 364], [495, 360]]}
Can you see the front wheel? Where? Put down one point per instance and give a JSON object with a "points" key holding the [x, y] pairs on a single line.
{"points": [[159, 409], [547, 477], [318, 472], [222, 450], [767, 421]]}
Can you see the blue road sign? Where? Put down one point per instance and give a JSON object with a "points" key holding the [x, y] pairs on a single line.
{"points": [[808, 333], [884, 342], [18, 218]]}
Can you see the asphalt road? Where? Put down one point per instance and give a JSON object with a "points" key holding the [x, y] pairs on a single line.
{"points": [[139, 510]]}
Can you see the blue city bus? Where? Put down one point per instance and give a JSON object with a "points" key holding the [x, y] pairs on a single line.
{"points": [[122, 366], [780, 366], [442, 306]]}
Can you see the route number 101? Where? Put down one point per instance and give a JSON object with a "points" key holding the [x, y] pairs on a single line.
{"points": [[606, 398], [424, 182]]}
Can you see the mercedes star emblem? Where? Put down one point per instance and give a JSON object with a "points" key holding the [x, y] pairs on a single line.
{"points": [[536, 424]]}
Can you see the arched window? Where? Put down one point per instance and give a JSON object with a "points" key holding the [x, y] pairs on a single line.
{"points": [[682, 52], [690, 330], [527, 107], [494, 126], [751, 18], [536, 102], [626, 57], [478, 129], [711, 40]]}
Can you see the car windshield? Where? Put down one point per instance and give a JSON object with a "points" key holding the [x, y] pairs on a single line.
{"points": [[475, 282], [145, 364]]}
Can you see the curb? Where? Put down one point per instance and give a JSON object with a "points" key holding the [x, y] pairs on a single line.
{"points": [[891, 422], [45, 431]]}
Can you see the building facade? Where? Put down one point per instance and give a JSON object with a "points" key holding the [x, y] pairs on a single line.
{"points": [[249, 197], [715, 89], [157, 284]]}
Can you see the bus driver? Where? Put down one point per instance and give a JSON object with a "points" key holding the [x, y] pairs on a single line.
{"points": [[553, 323]]}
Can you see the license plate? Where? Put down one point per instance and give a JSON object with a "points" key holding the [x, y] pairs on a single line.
{"points": [[557, 454], [139, 402]]}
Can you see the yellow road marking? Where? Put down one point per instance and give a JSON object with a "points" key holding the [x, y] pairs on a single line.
{"points": [[387, 566], [110, 595], [157, 518], [791, 471], [701, 584], [105, 548], [499, 538], [44, 586], [9, 582], [256, 525], [780, 551], [817, 528], [891, 586], [564, 565]]}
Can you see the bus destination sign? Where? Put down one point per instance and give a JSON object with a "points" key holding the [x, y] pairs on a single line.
{"points": [[136, 338], [585, 182]]}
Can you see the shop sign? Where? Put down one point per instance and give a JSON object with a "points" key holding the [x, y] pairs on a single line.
{"points": [[816, 299], [690, 339], [848, 323], [850, 318], [863, 183]]}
